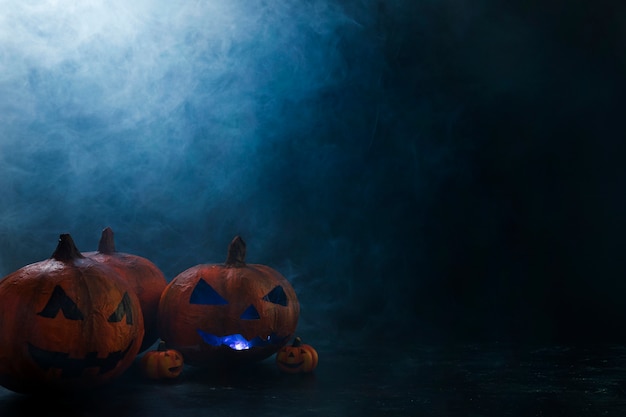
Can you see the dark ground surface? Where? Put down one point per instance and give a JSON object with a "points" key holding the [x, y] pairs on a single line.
{"points": [[462, 380]]}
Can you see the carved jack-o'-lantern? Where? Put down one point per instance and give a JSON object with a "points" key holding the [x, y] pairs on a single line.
{"points": [[298, 357], [67, 323], [144, 277], [228, 313], [162, 363]]}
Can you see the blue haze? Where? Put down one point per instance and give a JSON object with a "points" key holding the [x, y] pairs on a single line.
{"points": [[182, 124], [448, 166]]}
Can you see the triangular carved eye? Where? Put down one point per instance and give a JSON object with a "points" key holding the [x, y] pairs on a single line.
{"points": [[124, 309], [60, 301], [206, 295], [251, 313], [277, 296]]}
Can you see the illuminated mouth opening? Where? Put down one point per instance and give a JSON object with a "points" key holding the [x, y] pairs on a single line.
{"points": [[74, 367], [238, 342]]}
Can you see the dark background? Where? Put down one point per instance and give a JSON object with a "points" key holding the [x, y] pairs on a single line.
{"points": [[419, 170]]}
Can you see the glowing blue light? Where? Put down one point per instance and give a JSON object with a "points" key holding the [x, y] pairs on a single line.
{"points": [[236, 342], [239, 342]]}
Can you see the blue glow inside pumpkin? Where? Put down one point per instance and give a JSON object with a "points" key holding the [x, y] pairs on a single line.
{"points": [[239, 342]]}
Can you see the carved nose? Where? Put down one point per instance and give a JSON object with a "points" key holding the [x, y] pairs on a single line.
{"points": [[251, 313]]}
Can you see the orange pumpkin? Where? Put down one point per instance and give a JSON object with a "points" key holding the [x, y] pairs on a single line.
{"points": [[298, 357], [144, 277], [228, 313], [162, 363], [67, 323]]}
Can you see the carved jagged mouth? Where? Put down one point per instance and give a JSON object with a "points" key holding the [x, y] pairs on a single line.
{"points": [[74, 367], [239, 342]]}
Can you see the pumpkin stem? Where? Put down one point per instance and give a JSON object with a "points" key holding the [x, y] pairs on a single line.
{"points": [[66, 249], [297, 342], [236, 257], [107, 243], [161, 347]]}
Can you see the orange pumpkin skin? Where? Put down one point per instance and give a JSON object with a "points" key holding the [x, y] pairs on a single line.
{"points": [[162, 363], [228, 313], [144, 277], [296, 358], [68, 323]]}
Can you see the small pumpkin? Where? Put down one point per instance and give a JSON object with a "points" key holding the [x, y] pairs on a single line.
{"points": [[298, 357], [144, 277], [162, 363], [228, 313], [68, 323]]}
